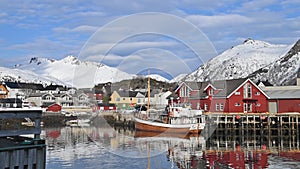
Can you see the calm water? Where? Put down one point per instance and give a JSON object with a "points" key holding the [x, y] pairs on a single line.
{"points": [[106, 148]]}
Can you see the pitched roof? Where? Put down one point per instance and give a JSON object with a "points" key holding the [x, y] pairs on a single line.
{"points": [[54, 87], [265, 83], [191, 85], [126, 93], [224, 88], [21, 85]]}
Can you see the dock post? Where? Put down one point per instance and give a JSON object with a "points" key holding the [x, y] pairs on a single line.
{"points": [[37, 125], [297, 130]]}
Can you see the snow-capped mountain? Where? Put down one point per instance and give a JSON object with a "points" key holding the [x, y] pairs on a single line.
{"points": [[27, 76], [239, 61], [283, 71], [81, 74], [158, 77]]}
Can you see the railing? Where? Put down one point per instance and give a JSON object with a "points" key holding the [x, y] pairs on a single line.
{"points": [[11, 122]]}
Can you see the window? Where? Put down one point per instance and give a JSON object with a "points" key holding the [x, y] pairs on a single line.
{"points": [[117, 99], [184, 91], [205, 106], [211, 91], [237, 93], [247, 90], [257, 93], [258, 105], [217, 106], [123, 98], [247, 107], [7, 105], [221, 106], [237, 104], [198, 106], [48, 98]]}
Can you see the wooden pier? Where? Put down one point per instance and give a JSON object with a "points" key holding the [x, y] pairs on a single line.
{"points": [[254, 124], [16, 149]]}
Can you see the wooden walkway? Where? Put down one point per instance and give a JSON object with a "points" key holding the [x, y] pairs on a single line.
{"points": [[17, 151]]}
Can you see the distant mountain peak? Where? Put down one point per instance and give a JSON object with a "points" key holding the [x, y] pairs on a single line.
{"points": [[39, 60], [71, 59], [250, 41], [71, 70]]}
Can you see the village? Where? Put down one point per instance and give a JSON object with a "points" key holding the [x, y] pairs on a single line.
{"points": [[217, 97]]}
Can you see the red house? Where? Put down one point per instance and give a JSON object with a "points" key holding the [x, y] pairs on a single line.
{"points": [[234, 96], [106, 107], [54, 107]]}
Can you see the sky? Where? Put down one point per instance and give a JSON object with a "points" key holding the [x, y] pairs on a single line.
{"points": [[167, 36]]}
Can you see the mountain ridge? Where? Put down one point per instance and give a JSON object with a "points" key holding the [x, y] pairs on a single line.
{"points": [[239, 61]]}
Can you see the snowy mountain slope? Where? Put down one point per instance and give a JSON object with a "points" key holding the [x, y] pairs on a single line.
{"points": [[81, 74], [239, 61], [27, 76], [283, 71], [158, 78], [178, 78]]}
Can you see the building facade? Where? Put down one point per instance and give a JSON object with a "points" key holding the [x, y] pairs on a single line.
{"points": [[224, 96]]}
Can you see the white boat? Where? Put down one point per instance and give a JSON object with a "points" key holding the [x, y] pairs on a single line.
{"points": [[78, 123], [174, 120]]}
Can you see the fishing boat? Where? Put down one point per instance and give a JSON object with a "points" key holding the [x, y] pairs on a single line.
{"points": [[175, 119]]}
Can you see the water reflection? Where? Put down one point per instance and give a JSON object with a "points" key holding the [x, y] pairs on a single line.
{"points": [[106, 147]]}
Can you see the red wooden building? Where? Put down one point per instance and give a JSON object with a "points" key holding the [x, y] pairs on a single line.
{"points": [[54, 107], [106, 107], [283, 99], [234, 96]]}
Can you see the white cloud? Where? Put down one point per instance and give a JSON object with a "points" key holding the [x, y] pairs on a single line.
{"points": [[62, 26], [257, 5], [218, 20], [81, 28]]}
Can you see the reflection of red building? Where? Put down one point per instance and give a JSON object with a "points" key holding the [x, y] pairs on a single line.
{"points": [[237, 159], [295, 155], [53, 134]]}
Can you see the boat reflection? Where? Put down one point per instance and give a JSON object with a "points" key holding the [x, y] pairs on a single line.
{"points": [[183, 150]]}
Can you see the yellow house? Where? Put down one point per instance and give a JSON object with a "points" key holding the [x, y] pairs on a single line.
{"points": [[3, 91], [127, 99]]}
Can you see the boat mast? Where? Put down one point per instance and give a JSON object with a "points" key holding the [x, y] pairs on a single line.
{"points": [[148, 104]]}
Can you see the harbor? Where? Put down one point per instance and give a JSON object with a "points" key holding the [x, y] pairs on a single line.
{"points": [[233, 122], [255, 138], [91, 146]]}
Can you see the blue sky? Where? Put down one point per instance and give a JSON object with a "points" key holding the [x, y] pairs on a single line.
{"points": [[55, 29]]}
